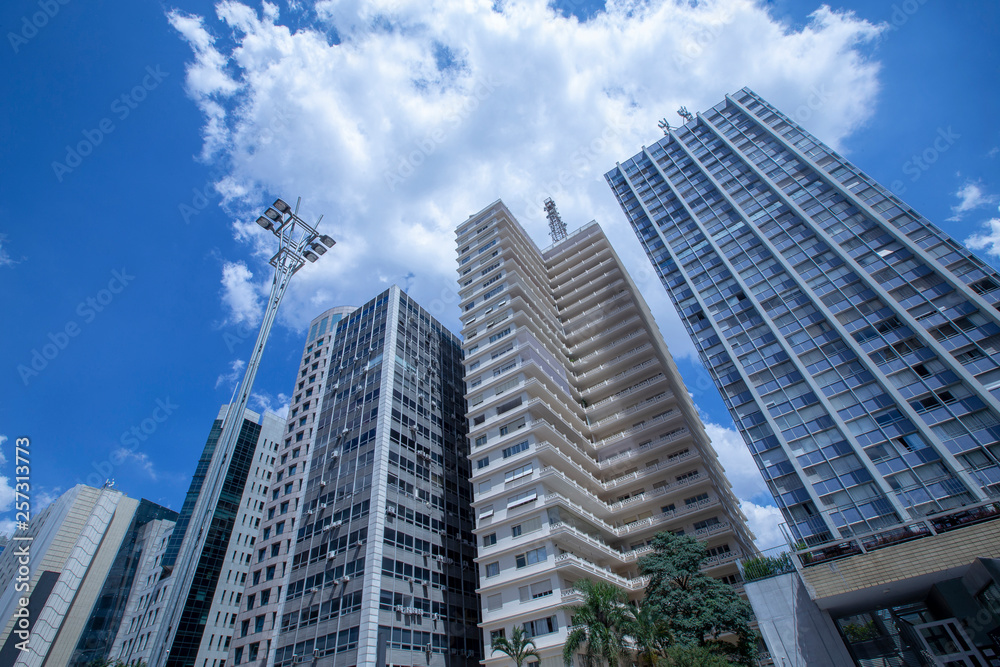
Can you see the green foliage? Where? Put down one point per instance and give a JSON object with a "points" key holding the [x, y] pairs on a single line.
{"points": [[600, 625], [518, 648], [859, 632], [767, 566], [650, 634], [697, 608], [693, 656]]}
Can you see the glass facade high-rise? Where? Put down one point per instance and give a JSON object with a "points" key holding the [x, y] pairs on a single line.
{"points": [[586, 443], [856, 345], [381, 561], [188, 619], [256, 626]]}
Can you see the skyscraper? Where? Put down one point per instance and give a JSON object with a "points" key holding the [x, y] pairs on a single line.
{"points": [[188, 618], [585, 441], [381, 565], [82, 553], [854, 343], [256, 626]]}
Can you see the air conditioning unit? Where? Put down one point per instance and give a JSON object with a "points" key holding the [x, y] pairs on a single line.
{"points": [[408, 579], [435, 616], [390, 511], [314, 590], [317, 652], [399, 608], [322, 506], [330, 555], [326, 528], [337, 524], [311, 512], [359, 543], [322, 482], [429, 648], [297, 659], [344, 579]]}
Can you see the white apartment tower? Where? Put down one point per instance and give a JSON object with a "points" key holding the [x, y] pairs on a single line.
{"points": [[585, 441]]}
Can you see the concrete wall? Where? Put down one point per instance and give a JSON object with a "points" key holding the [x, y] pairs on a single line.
{"points": [[797, 632]]}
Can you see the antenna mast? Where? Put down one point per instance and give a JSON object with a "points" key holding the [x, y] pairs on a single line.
{"points": [[557, 228]]}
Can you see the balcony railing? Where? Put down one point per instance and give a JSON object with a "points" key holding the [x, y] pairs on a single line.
{"points": [[649, 423], [669, 437], [632, 409], [659, 377], [611, 362]]}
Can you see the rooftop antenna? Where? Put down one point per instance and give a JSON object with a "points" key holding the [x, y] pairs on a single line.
{"points": [[685, 114], [665, 126], [557, 228]]}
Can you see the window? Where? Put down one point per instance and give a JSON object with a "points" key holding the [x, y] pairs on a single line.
{"points": [[530, 557], [529, 526], [482, 463], [522, 498], [258, 624], [270, 573], [695, 499], [245, 628], [493, 569], [515, 449], [541, 626], [279, 528], [535, 591], [519, 472], [489, 540]]}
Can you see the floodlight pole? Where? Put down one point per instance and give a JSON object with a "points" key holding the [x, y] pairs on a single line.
{"points": [[297, 243]]}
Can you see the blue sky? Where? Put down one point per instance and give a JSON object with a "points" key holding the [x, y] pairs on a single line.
{"points": [[141, 139]]}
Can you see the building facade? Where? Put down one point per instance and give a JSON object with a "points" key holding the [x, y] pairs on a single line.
{"points": [[585, 441], [855, 344], [188, 618], [381, 568], [83, 551], [256, 625]]}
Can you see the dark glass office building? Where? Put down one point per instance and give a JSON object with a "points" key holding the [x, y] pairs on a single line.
{"points": [[383, 568], [856, 345]]}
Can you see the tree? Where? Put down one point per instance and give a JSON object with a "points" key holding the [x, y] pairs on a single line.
{"points": [[518, 648], [697, 608], [600, 625], [650, 634], [693, 656]]}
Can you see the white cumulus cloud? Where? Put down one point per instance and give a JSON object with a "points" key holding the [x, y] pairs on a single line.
{"points": [[397, 119], [987, 240], [970, 197], [239, 293]]}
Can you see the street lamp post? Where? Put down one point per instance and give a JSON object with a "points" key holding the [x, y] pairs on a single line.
{"points": [[298, 242]]}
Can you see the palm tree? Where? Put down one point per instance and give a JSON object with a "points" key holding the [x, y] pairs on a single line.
{"points": [[518, 648], [650, 634], [600, 625]]}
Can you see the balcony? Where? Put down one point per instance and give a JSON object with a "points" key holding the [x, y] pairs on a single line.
{"points": [[642, 426], [596, 310], [634, 409], [591, 356], [643, 525], [659, 491], [611, 364], [621, 457], [581, 345], [649, 470], [572, 561], [621, 376], [594, 407]]}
